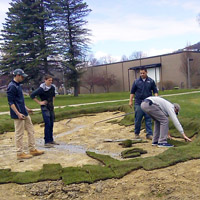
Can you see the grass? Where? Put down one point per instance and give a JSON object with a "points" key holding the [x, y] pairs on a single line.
{"points": [[64, 100], [110, 167], [133, 152]]}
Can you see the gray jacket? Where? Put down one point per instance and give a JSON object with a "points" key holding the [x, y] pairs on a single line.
{"points": [[168, 110]]}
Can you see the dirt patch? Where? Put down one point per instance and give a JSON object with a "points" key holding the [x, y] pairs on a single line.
{"points": [[80, 134]]}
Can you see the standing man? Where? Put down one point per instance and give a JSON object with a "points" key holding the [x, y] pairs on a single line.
{"points": [[141, 89], [46, 92], [19, 112], [160, 109]]}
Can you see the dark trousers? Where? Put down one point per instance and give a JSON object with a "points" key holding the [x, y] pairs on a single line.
{"points": [[48, 117], [139, 114]]}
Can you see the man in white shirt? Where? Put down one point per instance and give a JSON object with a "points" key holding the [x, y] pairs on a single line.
{"points": [[160, 109]]}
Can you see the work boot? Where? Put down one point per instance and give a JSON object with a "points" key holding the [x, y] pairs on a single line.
{"points": [[23, 156], [149, 137], [36, 152]]}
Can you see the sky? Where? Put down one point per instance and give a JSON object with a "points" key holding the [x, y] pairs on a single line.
{"points": [[121, 27]]}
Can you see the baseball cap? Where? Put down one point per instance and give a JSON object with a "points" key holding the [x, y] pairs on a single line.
{"points": [[19, 72], [177, 107]]}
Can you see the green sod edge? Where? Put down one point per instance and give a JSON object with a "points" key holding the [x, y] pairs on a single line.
{"points": [[6, 124], [110, 168]]}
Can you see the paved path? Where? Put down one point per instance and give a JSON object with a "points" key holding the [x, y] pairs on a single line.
{"points": [[167, 95], [100, 102]]}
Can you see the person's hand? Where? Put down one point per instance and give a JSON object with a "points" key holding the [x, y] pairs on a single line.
{"points": [[169, 136], [131, 104], [42, 103], [30, 111], [21, 116], [186, 138]]}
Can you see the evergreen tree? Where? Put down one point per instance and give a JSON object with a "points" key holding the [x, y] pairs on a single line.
{"points": [[37, 32], [27, 37], [72, 37]]}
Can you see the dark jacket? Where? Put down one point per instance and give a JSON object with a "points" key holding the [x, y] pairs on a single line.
{"points": [[16, 97], [45, 94], [143, 89]]}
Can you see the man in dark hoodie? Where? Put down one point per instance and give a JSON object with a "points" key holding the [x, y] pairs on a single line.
{"points": [[46, 92]]}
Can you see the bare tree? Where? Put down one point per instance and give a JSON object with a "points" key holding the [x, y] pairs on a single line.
{"points": [[89, 82], [124, 58], [107, 59], [189, 67], [167, 85], [92, 61], [106, 81], [137, 55]]}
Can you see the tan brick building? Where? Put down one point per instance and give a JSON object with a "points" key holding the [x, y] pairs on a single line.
{"points": [[168, 70]]}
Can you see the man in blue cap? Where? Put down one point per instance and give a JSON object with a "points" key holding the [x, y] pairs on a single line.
{"points": [[19, 112]]}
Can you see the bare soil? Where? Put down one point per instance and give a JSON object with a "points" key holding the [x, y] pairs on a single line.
{"points": [[181, 181]]}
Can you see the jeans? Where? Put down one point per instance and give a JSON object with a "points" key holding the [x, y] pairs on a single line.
{"points": [[139, 114], [48, 117]]}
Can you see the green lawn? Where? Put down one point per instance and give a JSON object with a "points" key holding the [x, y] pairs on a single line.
{"points": [[189, 114], [190, 104], [62, 100], [111, 168]]}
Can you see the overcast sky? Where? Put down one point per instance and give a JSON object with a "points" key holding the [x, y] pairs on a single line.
{"points": [[155, 27], [120, 27]]}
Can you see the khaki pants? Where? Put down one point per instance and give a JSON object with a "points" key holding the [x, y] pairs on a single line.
{"points": [[20, 126]]}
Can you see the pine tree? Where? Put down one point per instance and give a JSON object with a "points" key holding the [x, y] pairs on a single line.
{"points": [[27, 37], [72, 37], [37, 32]]}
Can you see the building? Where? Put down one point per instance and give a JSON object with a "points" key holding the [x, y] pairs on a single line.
{"points": [[175, 70]]}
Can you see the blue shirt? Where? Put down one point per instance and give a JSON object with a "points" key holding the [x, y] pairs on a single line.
{"points": [[16, 97], [143, 89]]}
